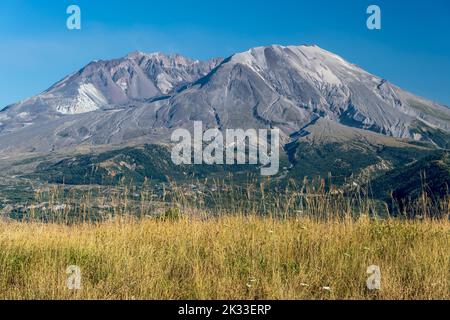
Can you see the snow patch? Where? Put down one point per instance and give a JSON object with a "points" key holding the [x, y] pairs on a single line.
{"points": [[164, 83], [123, 84], [88, 99], [23, 115]]}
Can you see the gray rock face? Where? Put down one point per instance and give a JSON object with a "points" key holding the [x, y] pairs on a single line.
{"points": [[289, 86], [144, 97], [107, 84]]}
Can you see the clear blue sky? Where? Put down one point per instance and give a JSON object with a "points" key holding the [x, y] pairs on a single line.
{"points": [[412, 50]]}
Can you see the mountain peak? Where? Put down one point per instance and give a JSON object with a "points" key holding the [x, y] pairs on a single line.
{"points": [[309, 61], [167, 60], [305, 51], [135, 55]]}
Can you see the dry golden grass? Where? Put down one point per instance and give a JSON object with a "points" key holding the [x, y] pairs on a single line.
{"points": [[227, 258]]}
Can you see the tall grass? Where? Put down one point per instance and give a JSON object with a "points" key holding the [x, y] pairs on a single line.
{"points": [[218, 241], [227, 258], [317, 198]]}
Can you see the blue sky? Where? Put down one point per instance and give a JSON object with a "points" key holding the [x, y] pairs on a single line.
{"points": [[36, 49]]}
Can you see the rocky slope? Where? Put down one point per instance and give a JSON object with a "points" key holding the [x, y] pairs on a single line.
{"points": [[141, 98]]}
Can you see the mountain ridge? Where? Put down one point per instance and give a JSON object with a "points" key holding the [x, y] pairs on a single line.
{"points": [[144, 96]]}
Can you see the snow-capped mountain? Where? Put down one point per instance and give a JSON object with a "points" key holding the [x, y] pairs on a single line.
{"points": [[142, 97]]}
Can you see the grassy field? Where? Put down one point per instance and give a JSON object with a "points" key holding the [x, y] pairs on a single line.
{"points": [[232, 257]]}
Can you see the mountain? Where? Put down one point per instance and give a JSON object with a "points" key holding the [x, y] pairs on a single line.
{"points": [[107, 84], [334, 117], [289, 87], [141, 97]]}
